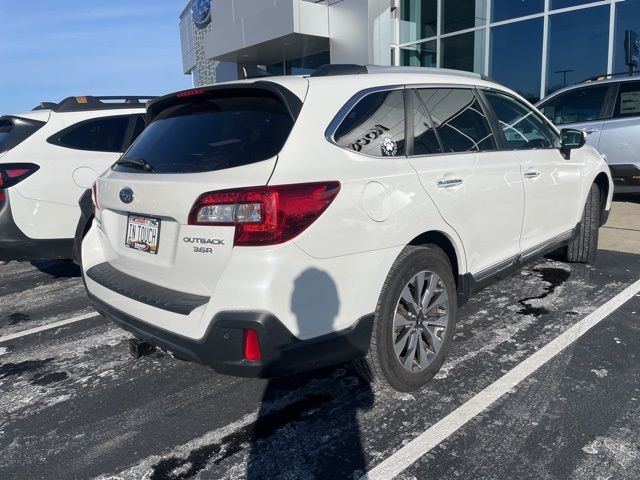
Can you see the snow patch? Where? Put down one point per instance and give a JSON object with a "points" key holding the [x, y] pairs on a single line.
{"points": [[600, 373]]}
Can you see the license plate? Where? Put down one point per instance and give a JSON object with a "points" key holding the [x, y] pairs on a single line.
{"points": [[143, 233]]}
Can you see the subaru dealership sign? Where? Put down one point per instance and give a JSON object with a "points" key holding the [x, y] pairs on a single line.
{"points": [[201, 12]]}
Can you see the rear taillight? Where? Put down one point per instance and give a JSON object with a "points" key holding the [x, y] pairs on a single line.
{"points": [[13, 173], [265, 215]]}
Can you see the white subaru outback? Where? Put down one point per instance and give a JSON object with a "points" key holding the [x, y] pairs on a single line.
{"points": [[48, 158], [272, 226]]}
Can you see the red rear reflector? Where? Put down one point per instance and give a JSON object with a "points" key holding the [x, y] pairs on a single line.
{"points": [[190, 93], [265, 215], [251, 345]]}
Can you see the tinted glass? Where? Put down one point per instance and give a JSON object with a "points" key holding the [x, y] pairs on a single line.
{"points": [[138, 127], [627, 18], [14, 131], [425, 140], [375, 126], [580, 105], [462, 14], [420, 55], [459, 120], [506, 9], [213, 133], [522, 127], [464, 52], [520, 72], [100, 135], [578, 46], [628, 101], [569, 3], [418, 19]]}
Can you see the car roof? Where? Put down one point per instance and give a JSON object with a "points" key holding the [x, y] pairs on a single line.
{"points": [[598, 80]]}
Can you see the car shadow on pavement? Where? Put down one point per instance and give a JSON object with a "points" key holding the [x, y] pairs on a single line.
{"points": [[57, 268], [307, 425]]}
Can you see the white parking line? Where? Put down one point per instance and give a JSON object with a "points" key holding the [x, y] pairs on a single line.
{"points": [[439, 432], [49, 326]]}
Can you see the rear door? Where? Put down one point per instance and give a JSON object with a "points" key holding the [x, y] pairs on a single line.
{"points": [[582, 108], [621, 134], [214, 139], [477, 189], [552, 184]]}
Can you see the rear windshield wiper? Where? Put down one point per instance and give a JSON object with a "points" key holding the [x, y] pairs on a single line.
{"points": [[136, 162]]}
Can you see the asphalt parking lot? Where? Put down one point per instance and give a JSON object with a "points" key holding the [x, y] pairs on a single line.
{"points": [[75, 405]]}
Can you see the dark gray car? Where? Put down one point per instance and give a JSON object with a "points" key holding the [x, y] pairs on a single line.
{"points": [[607, 109]]}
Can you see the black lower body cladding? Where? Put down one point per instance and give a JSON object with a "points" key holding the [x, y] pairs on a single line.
{"points": [[222, 346]]}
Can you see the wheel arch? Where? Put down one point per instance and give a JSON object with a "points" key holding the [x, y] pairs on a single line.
{"points": [[602, 181], [449, 247]]}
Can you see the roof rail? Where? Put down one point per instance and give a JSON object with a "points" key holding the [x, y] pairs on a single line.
{"points": [[606, 76], [45, 106], [89, 102], [352, 69]]}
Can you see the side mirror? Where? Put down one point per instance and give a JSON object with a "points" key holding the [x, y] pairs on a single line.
{"points": [[570, 139]]}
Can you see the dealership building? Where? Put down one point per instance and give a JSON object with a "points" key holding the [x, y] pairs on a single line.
{"points": [[533, 46]]}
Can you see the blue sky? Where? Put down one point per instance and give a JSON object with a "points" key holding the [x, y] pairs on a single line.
{"points": [[52, 49]]}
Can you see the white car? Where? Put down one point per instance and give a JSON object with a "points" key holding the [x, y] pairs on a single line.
{"points": [[268, 227], [48, 158]]}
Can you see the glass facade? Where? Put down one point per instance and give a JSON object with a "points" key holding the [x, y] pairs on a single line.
{"points": [[533, 46]]}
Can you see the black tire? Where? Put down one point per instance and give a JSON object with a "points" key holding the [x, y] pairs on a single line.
{"points": [[381, 364], [583, 246]]}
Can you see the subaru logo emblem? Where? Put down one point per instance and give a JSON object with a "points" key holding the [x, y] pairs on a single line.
{"points": [[201, 12], [126, 195]]}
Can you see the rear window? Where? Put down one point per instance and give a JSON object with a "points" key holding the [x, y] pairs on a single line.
{"points": [[225, 129], [15, 130]]}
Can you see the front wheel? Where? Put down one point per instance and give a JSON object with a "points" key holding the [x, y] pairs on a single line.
{"points": [[583, 245], [414, 320]]}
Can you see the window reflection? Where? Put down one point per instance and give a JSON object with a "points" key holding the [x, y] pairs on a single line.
{"points": [[506, 9], [418, 19], [459, 120], [522, 127], [375, 126], [462, 14], [578, 46], [627, 18], [425, 140], [555, 4], [464, 52], [519, 72], [420, 55]]}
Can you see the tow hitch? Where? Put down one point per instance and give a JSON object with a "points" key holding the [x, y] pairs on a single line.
{"points": [[138, 348]]}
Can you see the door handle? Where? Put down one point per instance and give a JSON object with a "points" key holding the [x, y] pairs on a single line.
{"points": [[589, 131], [531, 174], [449, 182]]}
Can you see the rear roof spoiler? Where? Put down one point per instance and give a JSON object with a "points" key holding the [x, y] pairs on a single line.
{"points": [[90, 102], [288, 98]]}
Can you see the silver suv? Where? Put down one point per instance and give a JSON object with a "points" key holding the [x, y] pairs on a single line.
{"points": [[607, 109]]}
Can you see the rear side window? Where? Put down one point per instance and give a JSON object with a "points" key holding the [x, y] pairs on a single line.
{"points": [[522, 127], [425, 139], [580, 105], [225, 129], [106, 134], [15, 130], [628, 101], [460, 122], [375, 125]]}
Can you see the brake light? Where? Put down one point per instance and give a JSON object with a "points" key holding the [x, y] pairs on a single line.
{"points": [[190, 93], [251, 345], [265, 215], [13, 173]]}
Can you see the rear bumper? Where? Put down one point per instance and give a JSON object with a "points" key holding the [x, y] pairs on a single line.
{"points": [[222, 346], [15, 245], [626, 178]]}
